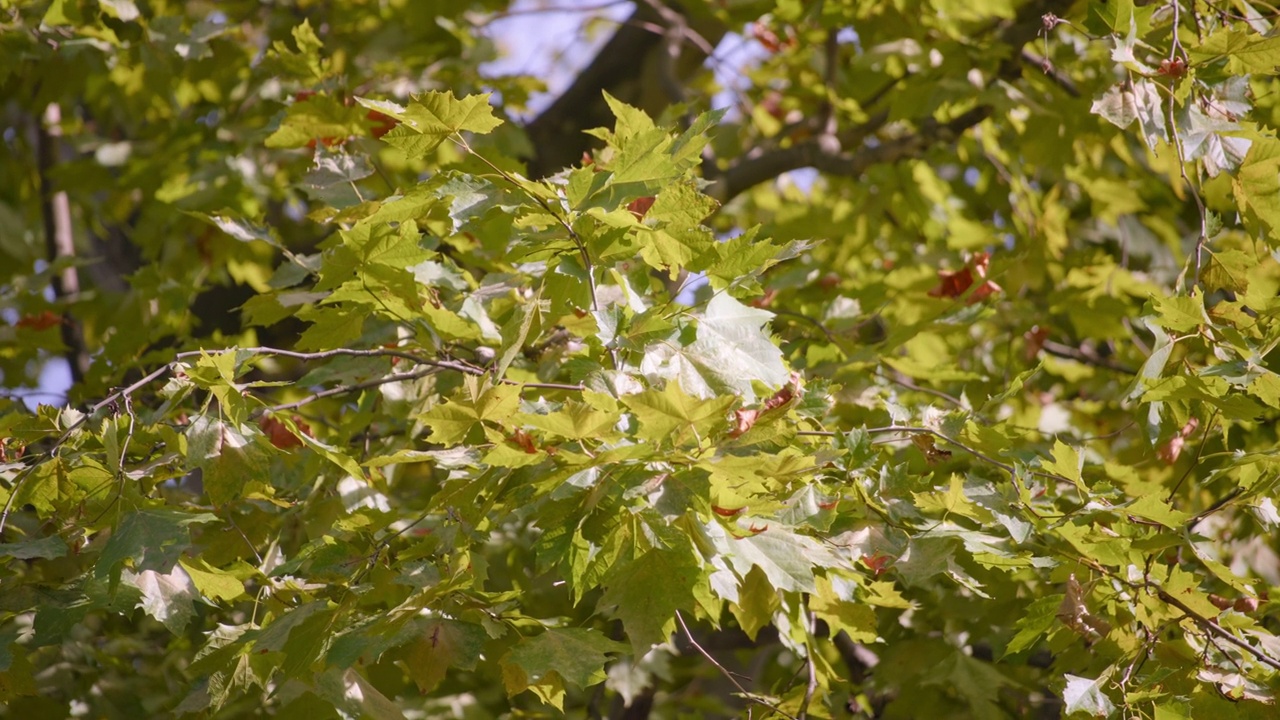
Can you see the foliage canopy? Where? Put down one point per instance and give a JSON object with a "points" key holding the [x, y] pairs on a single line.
{"points": [[396, 399]]}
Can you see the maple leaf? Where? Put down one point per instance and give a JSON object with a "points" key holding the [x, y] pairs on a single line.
{"points": [[640, 206], [1035, 338], [279, 434], [744, 419], [955, 283], [45, 320], [1170, 451]]}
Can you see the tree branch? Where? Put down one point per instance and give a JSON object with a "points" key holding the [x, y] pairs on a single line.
{"points": [[825, 156], [629, 67], [55, 212], [815, 153]]}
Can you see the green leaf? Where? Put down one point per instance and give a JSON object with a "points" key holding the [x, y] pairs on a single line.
{"points": [[843, 612], [1087, 696], [576, 421], [330, 328], [47, 547], [1151, 507], [1180, 313], [681, 205], [1038, 618], [1125, 102], [980, 683], [443, 644], [954, 500], [167, 597], [577, 655], [1248, 52], [516, 331], [451, 422], [671, 414], [757, 602], [1267, 389], [151, 539], [320, 119], [436, 116], [732, 345], [786, 558], [229, 456], [1257, 184], [353, 694], [646, 593], [1227, 270], [214, 584], [1066, 462]]}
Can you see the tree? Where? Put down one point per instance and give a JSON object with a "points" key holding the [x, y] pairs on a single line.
{"points": [[387, 404]]}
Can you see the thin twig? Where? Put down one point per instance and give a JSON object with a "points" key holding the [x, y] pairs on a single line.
{"points": [[247, 541], [1220, 504], [13, 493], [1213, 628], [578, 242], [1199, 453], [669, 58], [345, 389], [728, 675], [1063, 350], [908, 384], [154, 375], [909, 429], [812, 685], [1208, 624], [1176, 141]]}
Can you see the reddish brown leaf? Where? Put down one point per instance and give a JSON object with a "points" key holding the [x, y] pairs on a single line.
{"points": [[1245, 605], [1172, 450], [932, 453], [784, 395], [726, 512], [765, 300], [743, 420], [1174, 68], [525, 441], [877, 563], [954, 283], [382, 123], [640, 206], [279, 434], [772, 104], [1035, 338], [42, 321], [770, 40]]}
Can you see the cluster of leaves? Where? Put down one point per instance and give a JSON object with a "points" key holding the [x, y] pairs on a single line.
{"points": [[986, 426]]}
